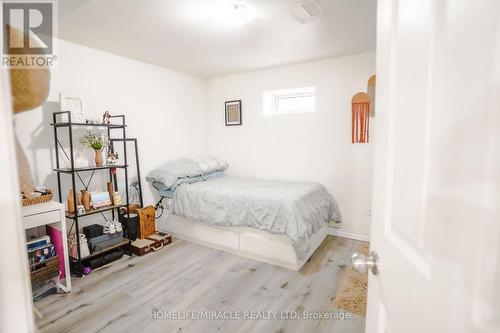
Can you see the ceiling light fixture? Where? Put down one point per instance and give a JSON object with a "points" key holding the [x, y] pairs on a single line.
{"points": [[235, 15]]}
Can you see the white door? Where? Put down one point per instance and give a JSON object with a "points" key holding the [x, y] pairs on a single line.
{"points": [[436, 199]]}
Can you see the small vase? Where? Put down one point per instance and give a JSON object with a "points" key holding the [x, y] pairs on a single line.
{"points": [[110, 191], [86, 200], [71, 202], [117, 199], [98, 157]]}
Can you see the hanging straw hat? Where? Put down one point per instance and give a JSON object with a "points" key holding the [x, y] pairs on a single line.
{"points": [[30, 88]]}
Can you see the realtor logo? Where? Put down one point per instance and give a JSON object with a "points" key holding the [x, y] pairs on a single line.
{"points": [[28, 33]]}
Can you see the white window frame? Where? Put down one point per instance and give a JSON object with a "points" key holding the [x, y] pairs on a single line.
{"points": [[272, 98]]}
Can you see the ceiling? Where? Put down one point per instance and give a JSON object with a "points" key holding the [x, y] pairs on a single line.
{"points": [[181, 35]]}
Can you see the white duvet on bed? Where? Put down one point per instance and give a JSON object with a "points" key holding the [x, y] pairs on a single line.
{"points": [[294, 209]]}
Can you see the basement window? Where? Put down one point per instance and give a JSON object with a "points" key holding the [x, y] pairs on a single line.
{"points": [[298, 100]]}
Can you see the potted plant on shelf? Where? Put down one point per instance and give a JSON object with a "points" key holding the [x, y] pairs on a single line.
{"points": [[97, 142]]}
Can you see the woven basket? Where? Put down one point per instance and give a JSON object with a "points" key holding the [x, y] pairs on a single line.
{"points": [[48, 270], [37, 200], [147, 221]]}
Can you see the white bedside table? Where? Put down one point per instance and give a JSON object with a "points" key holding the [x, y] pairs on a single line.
{"points": [[50, 213]]}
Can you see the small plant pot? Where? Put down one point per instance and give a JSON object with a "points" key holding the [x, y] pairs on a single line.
{"points": [[98, 157]]}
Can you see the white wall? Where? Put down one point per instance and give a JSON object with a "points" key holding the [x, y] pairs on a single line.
{"points": [[164, 108], [175, 115], [315, 146]]}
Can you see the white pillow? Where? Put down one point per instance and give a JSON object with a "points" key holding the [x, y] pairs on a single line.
{"points": [[210, 164]]}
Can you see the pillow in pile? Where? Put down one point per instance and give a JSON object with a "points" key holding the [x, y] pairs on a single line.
{"points": [[210, 164], [173, 173]]}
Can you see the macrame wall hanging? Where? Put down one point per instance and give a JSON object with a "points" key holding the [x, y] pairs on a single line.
{"points": [[370, 89], [360, 118], [363, 107]]}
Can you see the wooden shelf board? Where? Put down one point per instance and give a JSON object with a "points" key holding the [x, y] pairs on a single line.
{"points": [[94, 211], [91, 168], [106, 249]]}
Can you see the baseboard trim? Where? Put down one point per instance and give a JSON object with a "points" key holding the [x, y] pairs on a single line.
{"points": [[348, 234]]}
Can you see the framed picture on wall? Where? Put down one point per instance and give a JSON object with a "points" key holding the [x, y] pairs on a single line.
{"points": [[233, 113], [74, 104]]}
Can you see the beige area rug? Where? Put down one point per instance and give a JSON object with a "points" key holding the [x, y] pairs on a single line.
{"points": [[353, 291]]}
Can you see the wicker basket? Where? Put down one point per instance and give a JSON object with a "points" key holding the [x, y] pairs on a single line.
{"points": [[48, 270], [37, 200], [147, 221]]}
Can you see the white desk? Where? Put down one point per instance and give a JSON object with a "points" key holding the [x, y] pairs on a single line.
{"points": [[52, 213]]}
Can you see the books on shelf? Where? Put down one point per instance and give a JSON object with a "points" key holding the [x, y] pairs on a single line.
{"points": [[40, 241], [41, 254]]}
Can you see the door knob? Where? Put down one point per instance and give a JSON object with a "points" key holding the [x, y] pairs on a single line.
{"points": [[362, 263]]}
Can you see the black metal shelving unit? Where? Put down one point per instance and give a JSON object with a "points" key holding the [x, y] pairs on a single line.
{"points": [[74, 172]]}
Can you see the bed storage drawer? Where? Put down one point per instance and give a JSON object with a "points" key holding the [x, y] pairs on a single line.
{"points": [[259, 245], [176, 225], [215, 235]]}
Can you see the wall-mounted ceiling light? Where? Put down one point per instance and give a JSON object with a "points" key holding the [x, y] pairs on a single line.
{"points": [[235, 14]]}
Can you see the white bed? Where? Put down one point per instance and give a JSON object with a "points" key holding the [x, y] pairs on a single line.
{"points": [[274, 221], [244, 241], [278, 222]]}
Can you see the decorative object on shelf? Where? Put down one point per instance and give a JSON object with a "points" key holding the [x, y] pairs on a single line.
{"points": [[106, 118], [73, 104], [371, 90], [98, 157], [118, 226], [42, 189], [71, 202], [29, 88], [111, 191], [360, 118], [233, 113], [93, 230], [97, 142], [99, 198], [109, 228], [80, 209], [95, 121], [73, 240], [86, 200], [117, 199], [113, 158], [80, 161]]}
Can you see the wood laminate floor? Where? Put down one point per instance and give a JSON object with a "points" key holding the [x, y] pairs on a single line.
{"points": [[124, 296]]}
